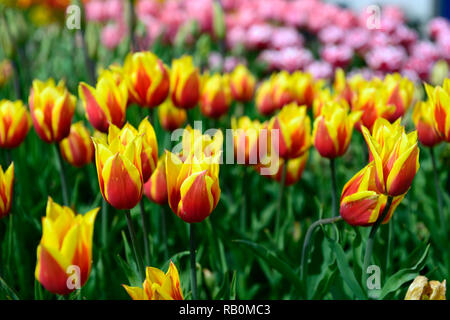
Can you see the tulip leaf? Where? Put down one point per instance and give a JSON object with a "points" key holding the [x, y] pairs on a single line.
{"points": [[175, 259], [275, 262], [323, 285], [402, 276], [233, 286], [346, 271], [8, 291], [131, 274]]}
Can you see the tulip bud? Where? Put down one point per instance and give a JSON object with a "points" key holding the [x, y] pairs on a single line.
{"points": [[184, 83], [422, 289], [242, 84], [64, 255], [294, 169], [77, 149], [361, 204], [440, 100], [333, 130], [247, 149], [282, 89], [424, 122], [397, 91], [158, 286], [294, 131], [396, 156], [15, 122], [6, 71], [106, 103], [303, 85], [52, 108], [156, 187], [119, 167], [264, 102], [216, 96], [6, 189], [147, 78], [170, 117]]}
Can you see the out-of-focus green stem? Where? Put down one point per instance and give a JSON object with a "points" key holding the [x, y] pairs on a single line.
{"points": [[144, 230], [104, 223], [62, 176], [438, 195], [132, 26], [134, 243], [164, 231], [280, 200], [243, 200], [193, 263], [333, 187]]}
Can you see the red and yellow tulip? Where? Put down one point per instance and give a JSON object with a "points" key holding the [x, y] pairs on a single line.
{"points": [[148, 79], [6, 189], [156, 187], [263, 101], [15, 122], [361, 204], [333, 129], [293, 128], [77, 149], [439, 98], [64, 254], [158, 286], [106, 103], [170, 117], [246, 140], [242, 84], [52, 108], [294, 168], [396, 156], [422, 289], [397, 91], [282, 89], [424, 122], [215, 97], [119, 167], [304, 88], [185, 83]]}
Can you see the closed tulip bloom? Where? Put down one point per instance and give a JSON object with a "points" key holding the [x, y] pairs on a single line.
{"points": [[64, 254], [216, 95], [158, 286], [156, 187], [294, 131], [6, 189], [264, 102], [304, 88], [242, 84], [246, 140], [397, 91], [424, 122], [361, 204], [106, 103], [185, 83], [200, 145], [51, 108], [170, 117], [396, 156], [282, 89], [333, 130], [119, 167], [15, 122], [440, 100], [294, 169], [422, 289], [77, 149], [148, 79]]}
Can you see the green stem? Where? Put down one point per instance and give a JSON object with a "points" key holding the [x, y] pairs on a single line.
{"points": [[133, 243], [144, 229], [370, 240], [164, 231], [243, 200], [62, 176], [104, 223], [280, 200], [193, 263], [132, 26], [308, 236], [438, 194], [333, 187], [389, 246]]}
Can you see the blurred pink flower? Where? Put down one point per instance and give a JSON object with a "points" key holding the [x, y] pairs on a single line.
{"points": [[420, 66], [147, 8], [259, 36], [292, 59], [320, 70], [386, 59], [235, 36], [404, 36], [425, 50], [202, 11], [331, 35], [95, 11], [231, 62], [271, 58], [112, 35], [339, 56], [357, 39], [113, 9], [438, 26], [286, 37]]}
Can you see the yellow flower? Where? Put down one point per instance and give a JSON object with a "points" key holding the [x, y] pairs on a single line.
{"points": [[422, 289], [6, 189], [184, 83], [15, 122]]}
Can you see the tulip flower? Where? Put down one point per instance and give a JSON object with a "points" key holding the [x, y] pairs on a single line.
{"points": [[294, 131], [440, 100], [215, 97], [158, 286], [147, 78], [119, 167], [15, 122], [397, 91], [184, 83], [422, 289], [347, 89], [424, 122], [282, 89], [294, 169], [396, 156], [242, 84], [264, 102], [106, 103], [170, 117], [77, 149], [51, 108], [333, 130], [304, 88], [64, 254], [361, 204], [6, 189], [246, 140], [194, 143], [156, 187]]}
